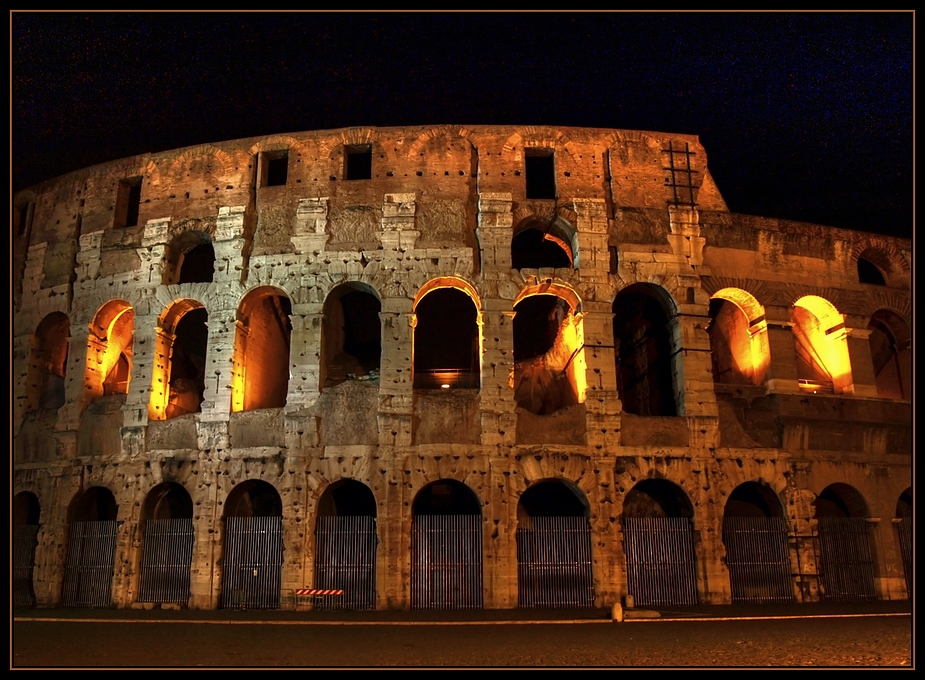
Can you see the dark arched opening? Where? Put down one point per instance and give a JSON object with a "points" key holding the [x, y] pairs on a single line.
{"points": [[345, 546], [757, 553], [26, 513], [187, 364], [554, 567], [644, 351], [658, 539], [446, 547], [91, 549], [253, 560], [446, 341], [167, 545], [352, 341], [846, 559]]}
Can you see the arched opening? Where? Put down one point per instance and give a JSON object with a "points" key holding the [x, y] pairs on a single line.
{"points": [[549, 362], [47, 364], [658, 536], [178, 374], [869, 273], [345, 546], [554, 547], [351, 344], [253, 559], [644, 351], [757, 553], [109, 350], [738, 338], [846, 560], [446, 547], [91, 549], [891, 352], [260, 374], [540, 243], [903, 523], [190, 258], [446, 340], [874, 267], [820, 340], [26, 513], [167, 545]]}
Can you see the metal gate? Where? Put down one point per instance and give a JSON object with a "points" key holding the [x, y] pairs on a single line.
{"points": [[660, 567], [904, 526], [554, 563], [446, 562], [253, 562], [845, 561], [91, 550], [345, 559], [25, 538], [758, 559], [165, 561]]}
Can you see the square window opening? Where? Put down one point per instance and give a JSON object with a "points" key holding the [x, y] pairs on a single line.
{"points": [[275, 168], [358, 161], [540, 167], [128, 200]]}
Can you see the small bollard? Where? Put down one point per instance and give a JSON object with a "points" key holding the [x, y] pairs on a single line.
{"points": [[616, 613]]}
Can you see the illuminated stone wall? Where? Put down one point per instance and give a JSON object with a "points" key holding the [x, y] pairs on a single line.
{"points": [[400, 214]]}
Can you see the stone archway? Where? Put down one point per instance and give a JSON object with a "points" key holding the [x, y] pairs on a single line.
{"points": [[846, 560], [659, 544], [554, 566], [446, 547], [91, 549], [757, 553], [26, 512], [253, 560], [345, 546], [167, 545]]}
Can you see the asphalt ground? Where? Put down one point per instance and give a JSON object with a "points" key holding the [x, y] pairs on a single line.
{"points": [[837, 635]]}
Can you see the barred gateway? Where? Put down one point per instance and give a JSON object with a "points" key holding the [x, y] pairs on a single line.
{"points": [[446, 367]]}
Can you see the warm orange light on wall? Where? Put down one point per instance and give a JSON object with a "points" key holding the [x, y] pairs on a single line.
{"points": [[754, 360], [822, 331]]}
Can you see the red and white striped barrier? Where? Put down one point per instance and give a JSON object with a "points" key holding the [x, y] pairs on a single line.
{"points": [[317, 591]]}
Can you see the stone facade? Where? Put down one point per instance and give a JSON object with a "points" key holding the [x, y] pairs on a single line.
{"points": [[505, 322]]}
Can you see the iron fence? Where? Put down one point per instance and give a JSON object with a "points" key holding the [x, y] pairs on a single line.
{"points": [[758, 559], [166, 557], [345, 559], [253, 562], [660, 564], [554, 563], [446, 562]]}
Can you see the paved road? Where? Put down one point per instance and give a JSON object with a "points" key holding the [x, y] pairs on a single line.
{"points": [[157, 642]]}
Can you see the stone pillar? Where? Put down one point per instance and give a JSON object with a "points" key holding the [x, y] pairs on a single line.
{"points": [[69, 413], [863, 377], [310, 225], [602, 403], [494, 232], [305, 355], [685, 238], [398, 232], [500, 541], [88, 257], [396, 372], [782, 374], [591, 225], [694, 378], [22, 350], [496, 396]]}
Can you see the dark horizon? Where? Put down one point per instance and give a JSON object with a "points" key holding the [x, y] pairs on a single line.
{"points": [[804, 116]]}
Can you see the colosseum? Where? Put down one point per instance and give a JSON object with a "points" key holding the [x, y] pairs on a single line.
{"points": [[450, 367]]}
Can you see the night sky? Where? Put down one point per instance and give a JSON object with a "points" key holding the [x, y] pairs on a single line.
{"points": [[803, 116]]}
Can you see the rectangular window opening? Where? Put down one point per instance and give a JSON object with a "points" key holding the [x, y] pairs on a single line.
{"points": [[358, 161], [128, 200], [540, 167], [274, 168], [22, 224]]}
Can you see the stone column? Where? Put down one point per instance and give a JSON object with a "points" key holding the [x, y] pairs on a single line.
{"points": [[782, 374], [396, 372], [494, 232], [496, 396], [602, 402], [863, 377], [694, 378]]}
